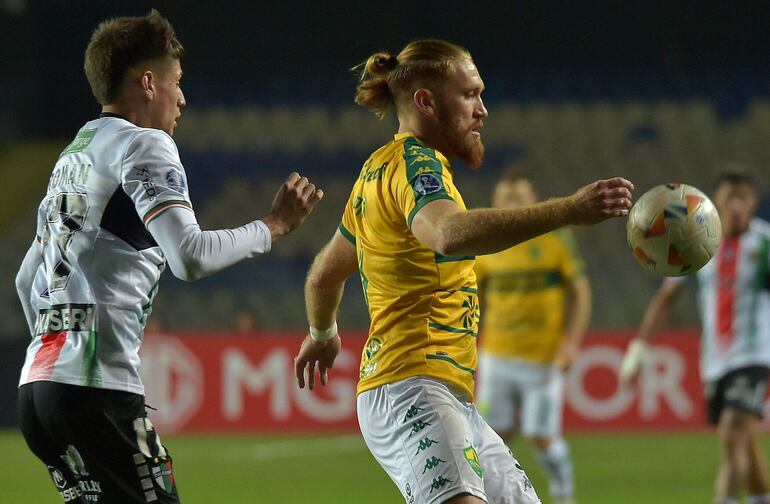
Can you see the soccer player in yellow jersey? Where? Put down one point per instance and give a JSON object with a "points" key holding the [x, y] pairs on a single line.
{"points": [[406, 231], [528, 340]]}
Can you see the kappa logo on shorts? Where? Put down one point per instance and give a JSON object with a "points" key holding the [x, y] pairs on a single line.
{"points": [[432, 463], [425, 444], [413, 411], [473, 460], [418, 426], [439, 483]]}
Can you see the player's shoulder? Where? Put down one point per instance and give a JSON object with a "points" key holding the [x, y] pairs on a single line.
{"points": [[417, 155], [760, 226]]}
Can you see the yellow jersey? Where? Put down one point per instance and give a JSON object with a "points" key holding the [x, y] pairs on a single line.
{"points": [[423, 306], [523, 293]]}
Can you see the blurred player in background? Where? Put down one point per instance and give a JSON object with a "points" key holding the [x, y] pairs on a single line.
{"points": [[734, 304], [116, 212], [537, 305], [406, 231]]}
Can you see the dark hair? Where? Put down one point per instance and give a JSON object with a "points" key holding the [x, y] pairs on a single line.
{"points": [[735, 177], [120, 43], [386, 78]]}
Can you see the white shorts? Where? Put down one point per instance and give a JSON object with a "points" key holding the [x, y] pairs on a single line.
{"points": [[434, 445], [516, 395]]}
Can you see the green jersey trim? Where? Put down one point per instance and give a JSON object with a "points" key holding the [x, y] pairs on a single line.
{"points": [[347, 234], [457, 330], [452, 362]]}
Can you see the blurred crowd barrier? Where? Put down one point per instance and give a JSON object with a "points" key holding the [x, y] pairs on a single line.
{"points": [[244, 381], [205, 382]]}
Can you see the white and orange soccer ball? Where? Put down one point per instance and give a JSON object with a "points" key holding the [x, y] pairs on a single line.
{"points": [[673, 229]]}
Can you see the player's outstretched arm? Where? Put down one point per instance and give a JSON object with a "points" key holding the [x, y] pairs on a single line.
{"points": [[655, 318], [193, 253], [444, 227], [323, 294], [24, 279]]}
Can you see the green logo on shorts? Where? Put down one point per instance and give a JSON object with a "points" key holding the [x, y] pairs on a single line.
{"points": [[473, 460], [425, 444]]}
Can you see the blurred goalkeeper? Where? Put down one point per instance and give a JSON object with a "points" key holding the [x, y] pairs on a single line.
{"points": [[117, 211], [734, 303], [537, 304]]}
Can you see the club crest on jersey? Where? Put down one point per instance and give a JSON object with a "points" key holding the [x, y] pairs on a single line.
{"points": [[175, 181], [427, 183]]}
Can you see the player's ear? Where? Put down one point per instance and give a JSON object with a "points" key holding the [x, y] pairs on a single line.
{"points": [[424, 101], [147, 83]]}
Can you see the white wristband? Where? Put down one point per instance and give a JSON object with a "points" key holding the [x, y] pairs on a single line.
{"points": [[325, 334]]}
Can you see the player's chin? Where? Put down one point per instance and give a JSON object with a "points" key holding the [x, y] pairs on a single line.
{"points": [[473, 151]]}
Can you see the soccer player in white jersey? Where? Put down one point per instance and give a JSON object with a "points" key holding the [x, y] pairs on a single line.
{"points": [[116, 212], [734, 303]]}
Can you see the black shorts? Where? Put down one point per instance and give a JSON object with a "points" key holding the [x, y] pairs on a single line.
{"points": [[742, 389], [98, 444]]}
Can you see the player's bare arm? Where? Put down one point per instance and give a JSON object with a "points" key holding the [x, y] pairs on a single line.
{"points": [[655, 318], [323, 293], [444, 227], [578, 317]]}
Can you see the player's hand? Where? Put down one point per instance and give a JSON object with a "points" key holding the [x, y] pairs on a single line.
{"points": [[565, 355], [312, 353], [601, 200], [632, 363], [293, 202]]}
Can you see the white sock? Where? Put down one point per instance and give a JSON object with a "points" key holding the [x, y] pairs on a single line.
{"points": [[758, 499], [557, 463]]}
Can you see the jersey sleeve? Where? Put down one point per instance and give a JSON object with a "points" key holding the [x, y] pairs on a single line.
{"points": [[347, 225], [426, 179], [153, 176], [573, 265]]}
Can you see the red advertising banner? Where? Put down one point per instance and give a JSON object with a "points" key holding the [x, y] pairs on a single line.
{"points": [[224, 382]]}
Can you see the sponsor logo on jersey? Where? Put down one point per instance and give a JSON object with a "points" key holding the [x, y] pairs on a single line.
{"points": [[66, 317], [145, 178]]}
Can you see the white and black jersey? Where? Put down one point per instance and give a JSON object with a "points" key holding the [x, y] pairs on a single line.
{"points": [[116, 211]]}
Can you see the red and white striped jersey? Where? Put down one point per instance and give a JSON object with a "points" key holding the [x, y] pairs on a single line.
{"points": [[734, 303]]}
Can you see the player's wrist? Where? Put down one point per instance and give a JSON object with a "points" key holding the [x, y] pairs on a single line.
{"points": [[276, 226], [323, 334]]}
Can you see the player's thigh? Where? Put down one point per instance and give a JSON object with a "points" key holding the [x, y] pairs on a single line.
{"points": [[108, 444], [505, 481], [45, 447], [542, 407], [496, 393], [419, 433]]}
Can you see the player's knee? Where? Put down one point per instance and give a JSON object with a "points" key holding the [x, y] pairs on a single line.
{"points": [[541, 443]]}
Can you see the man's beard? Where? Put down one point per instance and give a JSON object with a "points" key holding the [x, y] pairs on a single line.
{"points": [[467, 147]]}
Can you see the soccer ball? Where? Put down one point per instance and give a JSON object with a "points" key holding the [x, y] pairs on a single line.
{"points": [[673, 229]]}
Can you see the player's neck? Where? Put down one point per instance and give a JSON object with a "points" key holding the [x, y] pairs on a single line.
{"points": [[425, 135]]}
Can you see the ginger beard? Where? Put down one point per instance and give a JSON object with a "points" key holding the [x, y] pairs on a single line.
{"points": [[460, 139]]}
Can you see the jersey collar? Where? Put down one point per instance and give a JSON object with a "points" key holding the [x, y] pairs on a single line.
{"points": [[439, 155]]}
